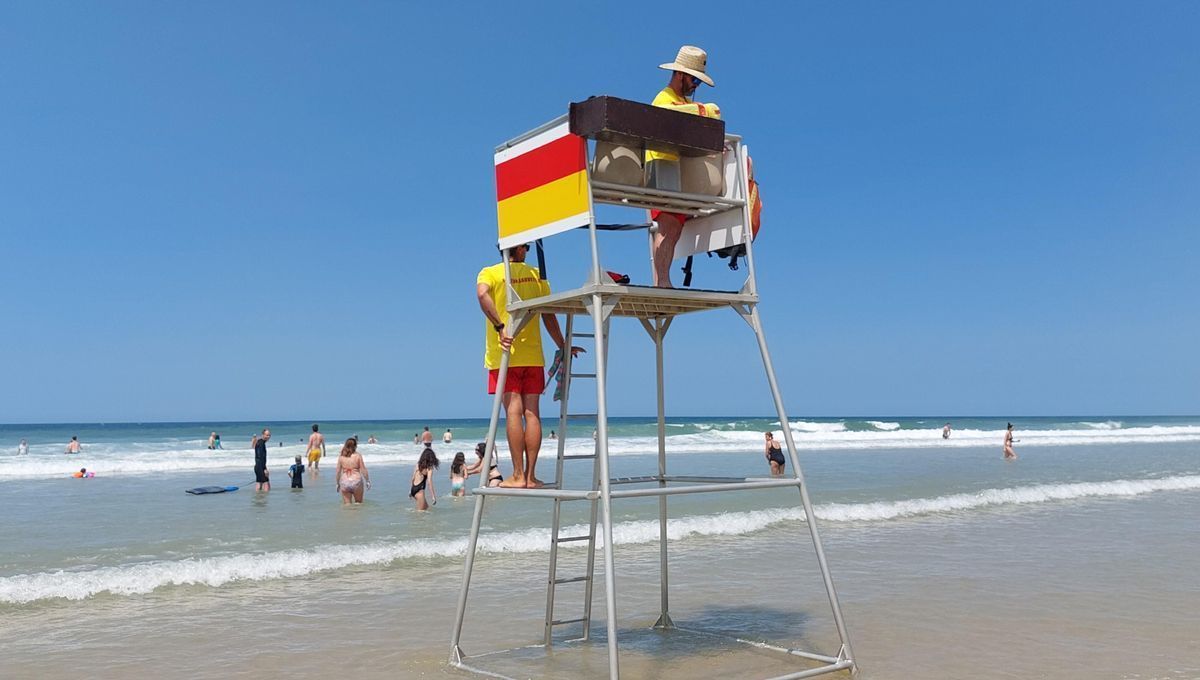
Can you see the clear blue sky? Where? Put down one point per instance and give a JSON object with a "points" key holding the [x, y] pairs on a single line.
{"points": [[277, 210]]}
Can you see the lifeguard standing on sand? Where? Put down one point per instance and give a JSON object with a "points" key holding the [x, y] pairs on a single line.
{"points": [[526, 379]]}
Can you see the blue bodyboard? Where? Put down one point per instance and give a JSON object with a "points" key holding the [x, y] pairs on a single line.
{"points": [[201, 490]]}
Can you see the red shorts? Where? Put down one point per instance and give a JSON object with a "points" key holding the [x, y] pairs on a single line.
{"points": [[520, 379], [682, 218]]}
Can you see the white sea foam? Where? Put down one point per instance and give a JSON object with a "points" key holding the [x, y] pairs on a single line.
{"points": [[1107, 425], [140, 578], [134, 459], [805, 426], [885, 426]]}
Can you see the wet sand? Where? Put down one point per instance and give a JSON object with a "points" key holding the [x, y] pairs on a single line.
{"points": [[1102, 588]]}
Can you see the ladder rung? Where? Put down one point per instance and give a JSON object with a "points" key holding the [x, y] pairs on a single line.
{"points": [[563, 622], [583, 375], [581, 415], [579, 456], [574, 579], [583, 335], [568, 539]]}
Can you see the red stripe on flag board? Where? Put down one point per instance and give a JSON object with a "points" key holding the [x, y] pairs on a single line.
{"points": [[546, 163]]}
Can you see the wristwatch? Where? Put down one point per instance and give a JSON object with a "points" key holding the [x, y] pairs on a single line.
{"points": [[498, 326]]}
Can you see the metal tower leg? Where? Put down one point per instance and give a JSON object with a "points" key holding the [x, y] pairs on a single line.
{"points": [[610, 594], [477, 518], [755, 322], [658, 331]]}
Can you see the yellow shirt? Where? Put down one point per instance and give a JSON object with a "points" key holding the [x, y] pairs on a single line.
{"points": [[669, 99], [527, 346]]}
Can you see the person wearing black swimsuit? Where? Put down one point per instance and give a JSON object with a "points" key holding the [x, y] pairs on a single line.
{"points": [[494, 476], [774, 453], [427, 463]]}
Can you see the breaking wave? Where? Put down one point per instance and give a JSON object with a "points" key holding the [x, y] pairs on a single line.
{"points": [[216, 571]]}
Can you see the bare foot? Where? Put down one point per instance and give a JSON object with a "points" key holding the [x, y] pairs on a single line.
{"points": [[534, 483], [513, 482]]}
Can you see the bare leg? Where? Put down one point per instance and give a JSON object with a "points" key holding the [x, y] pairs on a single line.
{"points": [[358, 493], [347, 498], [420, 499], [533, 439], [514, 410], [669, 229]]}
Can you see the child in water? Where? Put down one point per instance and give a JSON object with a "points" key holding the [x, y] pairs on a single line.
{"points": [[83, 474], [296, 472], [422, 479], [458, 475]]}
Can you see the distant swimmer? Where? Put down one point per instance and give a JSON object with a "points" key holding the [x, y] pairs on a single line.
{"points": [[552, 435], [946, 431], [774, 453], [216, 441], [83, 474], [427, 437], [372, 440], [262, 478], [316, 448], [416, 439], [1008, 442], [22, 448], [212, 441], [447, 437], [73, 447]]}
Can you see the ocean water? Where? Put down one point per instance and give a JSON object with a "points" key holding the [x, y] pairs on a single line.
{"points": [[1079, 559]]}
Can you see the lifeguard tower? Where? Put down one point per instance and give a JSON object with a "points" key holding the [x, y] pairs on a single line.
{"points": [[548, 182]]}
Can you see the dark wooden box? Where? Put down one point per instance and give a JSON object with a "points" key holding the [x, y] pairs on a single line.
{"points": [[635, 124]]}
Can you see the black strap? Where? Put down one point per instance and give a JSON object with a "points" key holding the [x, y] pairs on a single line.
{"points": [[541, 255], [687, 272]]}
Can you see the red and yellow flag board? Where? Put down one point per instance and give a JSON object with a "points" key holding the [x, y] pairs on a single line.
{"points": [[542, 186]]}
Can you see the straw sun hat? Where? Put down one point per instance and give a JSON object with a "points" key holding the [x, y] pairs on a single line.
{"points": [[690, 60]]}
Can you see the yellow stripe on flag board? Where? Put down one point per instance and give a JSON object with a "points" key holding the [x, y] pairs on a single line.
{"points": [[548, 203]]}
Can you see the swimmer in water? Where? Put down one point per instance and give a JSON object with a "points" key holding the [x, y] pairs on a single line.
{"points": [[774, 453], [422, 491], [83, 474], [352, 477], [73, 446], [494, 476], [946, 431], [1009, 454], [22, 448], [458, 475]]}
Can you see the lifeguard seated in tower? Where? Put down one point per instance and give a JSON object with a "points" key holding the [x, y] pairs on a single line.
{"points": [[666, 170]]}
